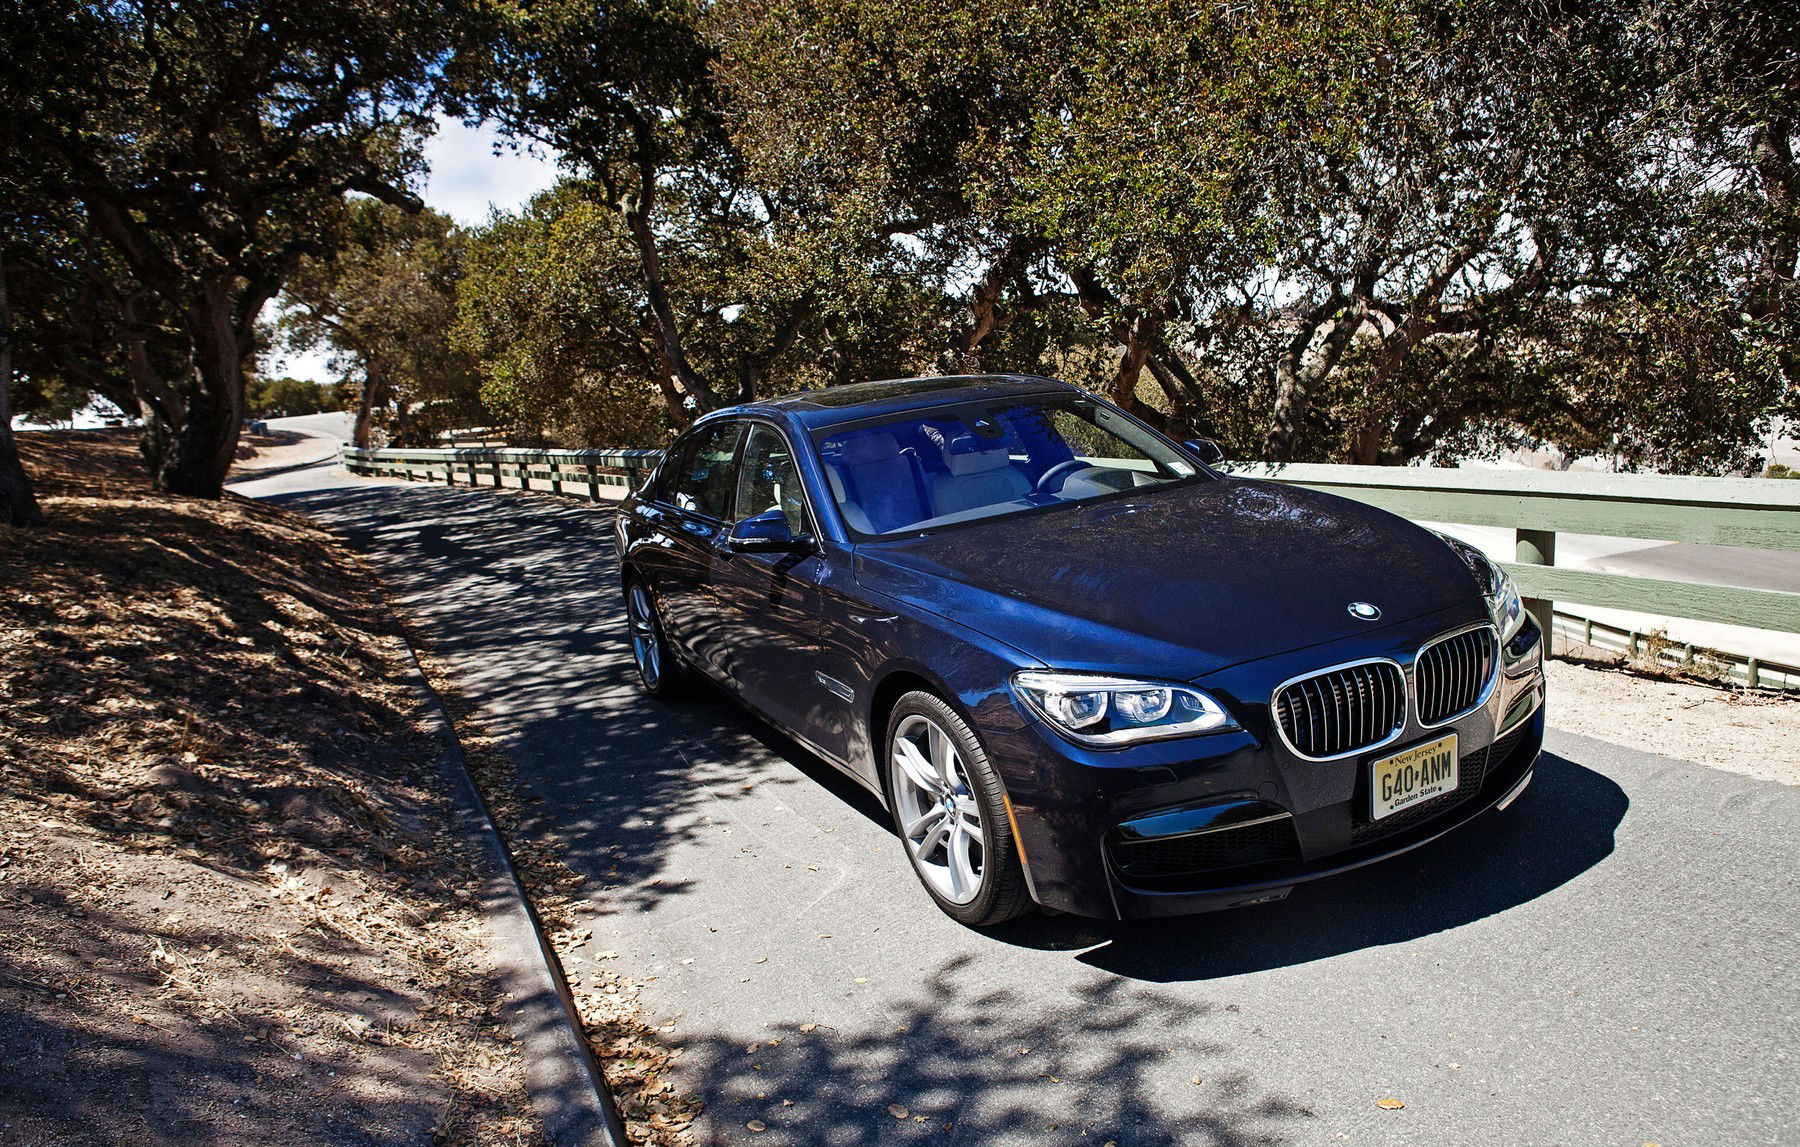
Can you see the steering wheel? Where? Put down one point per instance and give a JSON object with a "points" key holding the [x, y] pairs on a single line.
{"points": [[1053, 478]]}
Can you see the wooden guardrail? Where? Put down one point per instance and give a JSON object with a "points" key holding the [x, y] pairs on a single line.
{"points": [[1539, 504], [1757, 513], [584, 472]]}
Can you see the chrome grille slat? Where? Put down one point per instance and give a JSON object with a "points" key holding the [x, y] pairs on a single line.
{"points": [[1452, 673], [1345, 709]]}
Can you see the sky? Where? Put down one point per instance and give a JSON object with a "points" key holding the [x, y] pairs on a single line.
{"points": [[468, 182]]}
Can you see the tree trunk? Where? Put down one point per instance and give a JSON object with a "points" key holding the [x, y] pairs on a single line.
{"points": [[205, 444], [985, 313], [1300, 370], [752, 368], [1183, 390], [15, 485], [1137, 335], [680, 415], [160, 406], [636, 209], [362, 432]]}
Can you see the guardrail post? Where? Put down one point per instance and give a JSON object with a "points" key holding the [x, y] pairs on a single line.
{"points": [[1537, 548], [555, 476], [1753, 673], [496, 473], [593, 482]]}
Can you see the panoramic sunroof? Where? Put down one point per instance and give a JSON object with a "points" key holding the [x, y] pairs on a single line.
{"points": [[837, 396]]}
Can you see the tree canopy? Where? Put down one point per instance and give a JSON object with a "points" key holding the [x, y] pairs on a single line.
{"points": [[205, 147], [1436, 229]]}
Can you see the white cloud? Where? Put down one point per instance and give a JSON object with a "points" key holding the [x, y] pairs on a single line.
{"points": [[468, 179]]}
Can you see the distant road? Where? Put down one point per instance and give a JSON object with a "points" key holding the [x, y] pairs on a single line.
{"points": [[337, 424]]}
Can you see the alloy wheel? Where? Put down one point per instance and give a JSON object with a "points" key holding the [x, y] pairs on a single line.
{"points": [[646, 639], [939, 816]]}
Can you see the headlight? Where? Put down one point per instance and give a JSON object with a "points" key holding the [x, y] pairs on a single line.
{"points": [[1106, 712], [1502, 597], [1505, 607]]}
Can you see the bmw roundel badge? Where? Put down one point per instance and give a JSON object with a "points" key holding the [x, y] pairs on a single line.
{"points": [[1363, 611]]}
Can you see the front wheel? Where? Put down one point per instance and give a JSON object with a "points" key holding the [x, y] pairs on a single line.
{"points": [[950, 814]]}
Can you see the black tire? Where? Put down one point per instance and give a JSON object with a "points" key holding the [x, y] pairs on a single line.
{"points": [[664, 677], [1001, 893]]}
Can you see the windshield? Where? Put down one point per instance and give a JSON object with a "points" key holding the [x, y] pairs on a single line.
{"points": [[942, 466]]}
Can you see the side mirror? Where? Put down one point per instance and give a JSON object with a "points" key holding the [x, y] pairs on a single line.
{"points": [[766, 532], [1206, 450]]}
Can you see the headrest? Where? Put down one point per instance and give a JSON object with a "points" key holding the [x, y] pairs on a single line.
{"points": [[967, 454], [863, 447]]}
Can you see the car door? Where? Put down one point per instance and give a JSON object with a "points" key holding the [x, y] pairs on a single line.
{"points": [[693, 505], [770, 601]]}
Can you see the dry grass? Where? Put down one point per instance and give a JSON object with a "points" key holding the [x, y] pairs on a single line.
{"points": [[227, 846]]}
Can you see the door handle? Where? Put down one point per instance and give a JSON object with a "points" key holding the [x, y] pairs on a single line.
{"points": [[873, 618]]}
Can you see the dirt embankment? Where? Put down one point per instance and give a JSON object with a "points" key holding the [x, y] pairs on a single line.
{"points": [[231, 905]]}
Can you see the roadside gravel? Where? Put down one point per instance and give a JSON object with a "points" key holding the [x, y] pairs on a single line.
{"points": [[1756, 734]]}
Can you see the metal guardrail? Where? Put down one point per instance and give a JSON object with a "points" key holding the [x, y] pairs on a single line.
{"points": [[1684, 657], [1537, 504], [558, 471]]}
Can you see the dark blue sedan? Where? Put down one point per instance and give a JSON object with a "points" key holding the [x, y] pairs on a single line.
{"points": [[1079, 665]]}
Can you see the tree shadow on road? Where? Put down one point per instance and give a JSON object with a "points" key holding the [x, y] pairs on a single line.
{"points": [[958, 1063], [527, 606]]}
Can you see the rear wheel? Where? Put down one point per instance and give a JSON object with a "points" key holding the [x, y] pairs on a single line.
{"points": [[950, 814], [662, 676]]}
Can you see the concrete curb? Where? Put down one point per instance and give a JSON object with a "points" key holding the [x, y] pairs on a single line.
{"points": [[562, 1076]]}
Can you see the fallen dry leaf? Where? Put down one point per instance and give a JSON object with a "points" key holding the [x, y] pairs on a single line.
{"points": [[897, 1111], [757, 1125], [1389, 1104]]}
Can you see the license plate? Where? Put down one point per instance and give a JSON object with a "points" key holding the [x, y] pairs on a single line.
{"points": [[1418, 774]]}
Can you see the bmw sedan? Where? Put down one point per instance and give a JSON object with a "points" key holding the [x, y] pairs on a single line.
{"points": [[1079, 664]]}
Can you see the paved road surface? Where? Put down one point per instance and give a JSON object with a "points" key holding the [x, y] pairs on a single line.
{"points": [[1612, 962]]}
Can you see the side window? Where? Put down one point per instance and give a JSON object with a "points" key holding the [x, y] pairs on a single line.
{"points": [[703, 478], [672, 464], [769, 480]]}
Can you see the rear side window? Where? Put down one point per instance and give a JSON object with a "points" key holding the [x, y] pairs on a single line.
{"points": [[704, 478], [769, 481]]}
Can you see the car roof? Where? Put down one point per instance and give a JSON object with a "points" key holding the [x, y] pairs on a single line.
{"points": [[831, 405]]}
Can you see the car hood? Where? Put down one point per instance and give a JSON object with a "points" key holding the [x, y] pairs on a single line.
{"points": [[1175, 583]]}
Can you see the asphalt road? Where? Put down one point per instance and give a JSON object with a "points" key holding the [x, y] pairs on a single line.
{"points": [[1612, 961]]}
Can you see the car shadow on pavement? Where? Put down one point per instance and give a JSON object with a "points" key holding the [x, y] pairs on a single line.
{"points": [[1560, 828]]}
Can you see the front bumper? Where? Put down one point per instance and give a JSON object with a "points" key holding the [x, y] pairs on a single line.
{"points": [[1087, 822]]}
